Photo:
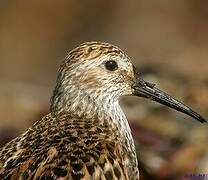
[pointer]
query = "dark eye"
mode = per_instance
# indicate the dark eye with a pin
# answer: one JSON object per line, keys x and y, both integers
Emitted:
{"x": 111, "y": 65}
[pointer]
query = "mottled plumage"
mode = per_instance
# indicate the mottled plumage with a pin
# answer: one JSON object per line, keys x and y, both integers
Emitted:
{"x": 63, "y": 146}
{"x": 86, "y": 134}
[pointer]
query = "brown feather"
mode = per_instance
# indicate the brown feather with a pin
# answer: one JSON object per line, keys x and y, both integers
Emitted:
{"x": 68, "y": 148}
{"x": 86, "y": 134}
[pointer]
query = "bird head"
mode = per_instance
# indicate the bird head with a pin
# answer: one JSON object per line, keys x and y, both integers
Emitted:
{"x": 100, "y": 70}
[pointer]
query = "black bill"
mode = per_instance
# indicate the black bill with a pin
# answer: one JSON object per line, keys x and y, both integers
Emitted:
{"x": 148, "y": 90}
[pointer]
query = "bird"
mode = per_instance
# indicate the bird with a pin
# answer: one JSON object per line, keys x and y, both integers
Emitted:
{"x": 86, "y": 134}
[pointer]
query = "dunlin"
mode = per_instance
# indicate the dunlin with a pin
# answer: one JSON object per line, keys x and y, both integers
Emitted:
{"x": 86, "y": 134}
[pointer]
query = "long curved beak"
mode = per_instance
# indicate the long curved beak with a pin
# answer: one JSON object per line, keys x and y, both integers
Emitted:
{"x": 148, "y": 90}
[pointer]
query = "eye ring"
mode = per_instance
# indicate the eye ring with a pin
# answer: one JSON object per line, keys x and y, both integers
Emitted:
{"x": 111, "y": 65}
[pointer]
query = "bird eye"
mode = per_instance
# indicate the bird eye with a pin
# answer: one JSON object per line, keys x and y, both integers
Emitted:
{"x": 111, "y": 65}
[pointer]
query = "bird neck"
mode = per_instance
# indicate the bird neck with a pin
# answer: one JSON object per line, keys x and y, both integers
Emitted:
{"x": 91, "y": 105}
{"x": 87, "y": 104}
{"x": 95, "y": 106}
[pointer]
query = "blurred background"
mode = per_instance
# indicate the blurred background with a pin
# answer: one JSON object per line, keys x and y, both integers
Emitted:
{"x": 166, "y": 40}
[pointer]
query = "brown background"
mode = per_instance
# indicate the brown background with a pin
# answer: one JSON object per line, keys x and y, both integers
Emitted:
{"x": 167, "y": 41}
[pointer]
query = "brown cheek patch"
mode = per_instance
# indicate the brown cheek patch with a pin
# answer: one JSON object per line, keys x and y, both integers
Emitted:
{"x": 91, "y": 80}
